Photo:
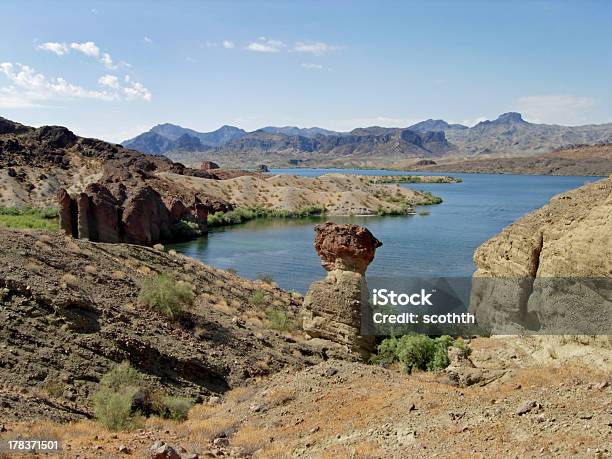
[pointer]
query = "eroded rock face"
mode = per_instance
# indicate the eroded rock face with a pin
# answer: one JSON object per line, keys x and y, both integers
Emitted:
{"x": 333, "y": 307}
{"x": 345, "y": 247}
{"x": 532, "y": 261}
{"x": 136, "y": 215}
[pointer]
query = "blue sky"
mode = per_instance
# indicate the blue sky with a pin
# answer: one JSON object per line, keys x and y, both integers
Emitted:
{"x": 112, "y": 69}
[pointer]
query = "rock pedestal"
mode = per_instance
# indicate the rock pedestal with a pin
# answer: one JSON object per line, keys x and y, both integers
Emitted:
{"x": 333, "y": 306}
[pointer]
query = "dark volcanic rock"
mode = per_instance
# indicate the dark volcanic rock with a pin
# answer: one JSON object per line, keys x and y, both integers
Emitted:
{"x": 208, "y": 165}
{"x": 56, "y": 136}
{"x": 145, "y": 217}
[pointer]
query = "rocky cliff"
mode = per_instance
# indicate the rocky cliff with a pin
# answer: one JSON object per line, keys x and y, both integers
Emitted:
{"x": 551, "y": 266}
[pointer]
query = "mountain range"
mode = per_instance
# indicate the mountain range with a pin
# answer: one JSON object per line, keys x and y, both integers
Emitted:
{"x": 508, "y": 135}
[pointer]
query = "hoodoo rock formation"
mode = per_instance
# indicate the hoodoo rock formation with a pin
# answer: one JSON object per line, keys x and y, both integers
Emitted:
{"x": 333, "y": 306}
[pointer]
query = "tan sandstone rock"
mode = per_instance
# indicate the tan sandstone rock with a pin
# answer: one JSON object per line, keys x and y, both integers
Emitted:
{"x": 333, "y": 307}
{"x": 551, "y": 262}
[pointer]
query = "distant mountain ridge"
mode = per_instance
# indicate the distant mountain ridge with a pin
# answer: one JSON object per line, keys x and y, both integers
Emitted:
{"x": 508, "y": 135}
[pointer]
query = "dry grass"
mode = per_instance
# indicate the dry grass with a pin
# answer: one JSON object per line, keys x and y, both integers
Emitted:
{"x": 240, "y": 394}
{"x": 250, "y": 439}
{"x": 159, "y": 247}
{"x": 90, "y": 269}
{"x": 222, "y": 306}
{"x": 281, "y": 395}
{"x": 144, "y": 270}
{"x": 210, "y": 428}
{"x": 70, "y": 280}
{"x": 118, "y": 275}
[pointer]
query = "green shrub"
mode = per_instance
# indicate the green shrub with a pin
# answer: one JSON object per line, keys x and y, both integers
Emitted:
{"x": 175, "y": 408}
{"x": 29, "y": 218}
{"x": 120, "y": 377}
{"x": 115, "y": 396}
{"x": 415, "y": 352}
{"x": 114, "y": 409}
{"x": 257, "y": 298}
{"x": 279, "y": 320}
{"x": 164, "y": 294}
{"x": 244, "y": 214}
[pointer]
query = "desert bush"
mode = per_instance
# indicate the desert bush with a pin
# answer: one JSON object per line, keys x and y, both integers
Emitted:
{"x": 164, "y": 294}
{"x": 416, "y": 351}
{"x": 114, "y": 399}
{"x": 114, "y": 410}
{"x": 279, "y": 320}
{"x": 257, "y": 298}
{"x": 231, "y": 270}
{"x": 175, "y": 408}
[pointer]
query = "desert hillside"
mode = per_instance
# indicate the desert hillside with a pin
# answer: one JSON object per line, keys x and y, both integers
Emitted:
{"x": 337, "y": 194}
{"x": 580, "y": 160}
{"x": 70, "y": 310}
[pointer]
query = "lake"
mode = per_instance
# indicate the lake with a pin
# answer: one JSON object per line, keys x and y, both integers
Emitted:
{"x": 440, "y": 244}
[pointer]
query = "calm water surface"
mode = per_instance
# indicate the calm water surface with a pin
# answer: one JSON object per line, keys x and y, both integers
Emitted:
{"x": 439, "y": 244}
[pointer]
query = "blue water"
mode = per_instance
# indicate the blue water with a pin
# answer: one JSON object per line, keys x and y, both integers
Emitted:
{"x": 439, "y": 244}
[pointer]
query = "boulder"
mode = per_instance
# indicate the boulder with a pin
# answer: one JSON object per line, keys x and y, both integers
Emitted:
{"x": 333, "y": 307}
{"x": 345, "y": 247}
{"x": 208, "y": 165}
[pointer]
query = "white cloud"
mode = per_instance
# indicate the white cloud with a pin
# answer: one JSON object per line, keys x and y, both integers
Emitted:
{"x": 57, "y": 48}
{"x": 261, "y": 48}
{"x": 135, "y": 90}
{"x": 107, "y": 61}
{"x": 312, "y": 66}
{"x": 263, "y": 45}
{"x": 29, "y": 88}
{"x": 317, "y": 48}
{"x": 109, "y": 80}
{"x": 147, "y": 40}
{"x": 227, "y": 44}
{"x": 88, "y": 48}
{"x": 555, "y": 108}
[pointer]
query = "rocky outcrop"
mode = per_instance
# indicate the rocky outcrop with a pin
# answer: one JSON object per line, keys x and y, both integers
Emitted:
{"x": 333, "y": 307}
{"x": 136, "y": 216}
{"x": 551, "y": 270}
{"x": 208, "y": 165}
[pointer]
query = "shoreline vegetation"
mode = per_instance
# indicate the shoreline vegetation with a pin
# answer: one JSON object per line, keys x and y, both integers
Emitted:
{"x": 391, "y": 202}
{"x": 383, "y": 179}
{"x": 30, "y": 218}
